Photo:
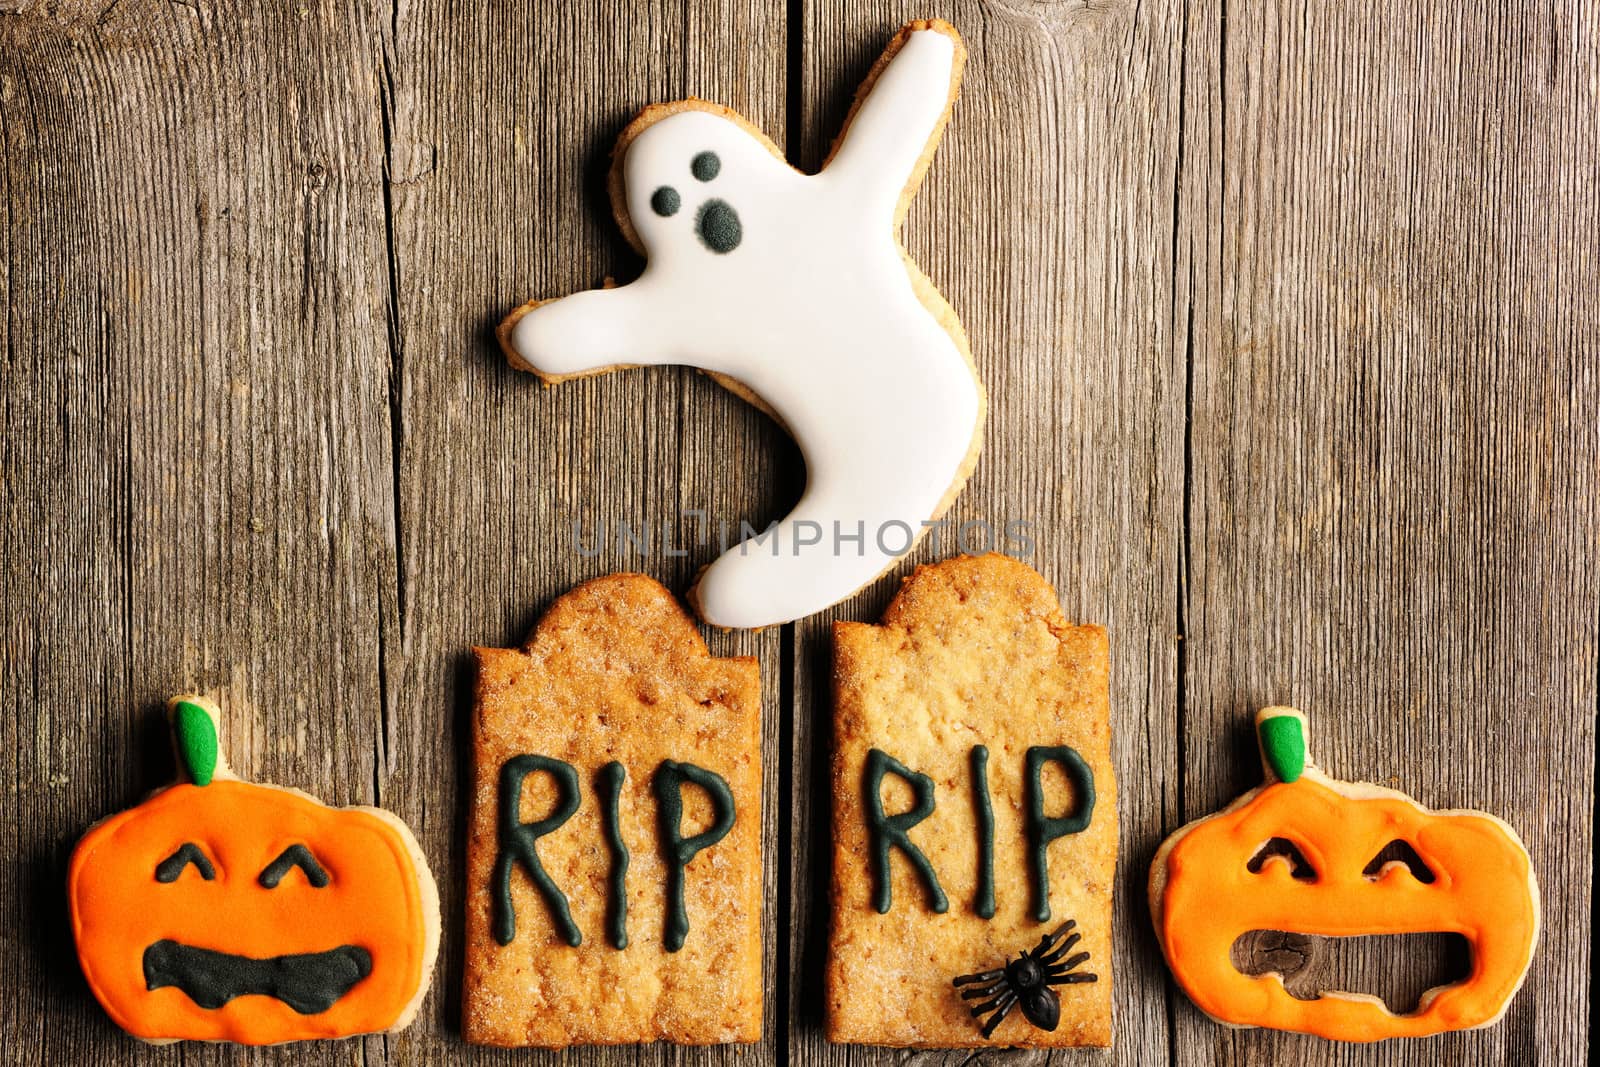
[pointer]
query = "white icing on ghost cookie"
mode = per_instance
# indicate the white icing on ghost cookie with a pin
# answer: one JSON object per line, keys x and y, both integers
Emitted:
{"x": 793, "y": 290}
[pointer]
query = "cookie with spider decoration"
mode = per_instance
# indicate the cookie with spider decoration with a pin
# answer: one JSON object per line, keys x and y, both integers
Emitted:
{"x": 974, "y": 815}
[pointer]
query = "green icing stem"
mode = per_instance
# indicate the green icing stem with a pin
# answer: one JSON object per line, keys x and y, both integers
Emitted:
{"x": 195, "y": 735}
{"x": 1283, "y": 746}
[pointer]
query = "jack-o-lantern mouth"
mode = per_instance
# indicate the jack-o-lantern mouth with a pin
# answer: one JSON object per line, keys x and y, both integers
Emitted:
{"x": 309, "y": 982}
{"x": 1313, "y": 966}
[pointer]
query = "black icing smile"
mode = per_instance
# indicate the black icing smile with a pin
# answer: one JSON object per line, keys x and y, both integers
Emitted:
{"x": 308, "y": 983}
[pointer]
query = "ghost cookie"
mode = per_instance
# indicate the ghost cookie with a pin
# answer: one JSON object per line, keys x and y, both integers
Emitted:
{"x": 974, "y": 818}
{"x": 614, "y": 852}
{"x": 221, "y": 910}
{"x": 1313, "y": 857}
{"x": 793, "y": 291}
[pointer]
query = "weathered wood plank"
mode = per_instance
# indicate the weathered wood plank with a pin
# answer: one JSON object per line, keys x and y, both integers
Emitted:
{"x": 1389, "y": 227}
{"x": 196, "y": 465}
{"x": 1046, "y": 221}
{"x": 1289, "y": 324}
{"x": 501, "y": 132}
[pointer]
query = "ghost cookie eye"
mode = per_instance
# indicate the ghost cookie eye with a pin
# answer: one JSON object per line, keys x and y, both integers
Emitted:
{"x": 705, "y": 166}
{"x": 665, "y": 201}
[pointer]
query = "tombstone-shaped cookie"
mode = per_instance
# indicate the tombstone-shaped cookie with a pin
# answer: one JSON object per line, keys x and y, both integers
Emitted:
{"x": 226, "y": 910}
{"x": 614, "y": 857}
{"x": 793, "y": 291}
{"x": 974, "y": 818}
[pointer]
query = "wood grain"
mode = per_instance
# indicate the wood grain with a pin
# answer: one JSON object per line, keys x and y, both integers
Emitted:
{"x": 1046, "y": 221}
{"x": 1290, "y": 318}
{"x": 499, "y": 145}
{"x": 197, "y": 458}
{"x": 1390, "y": 252}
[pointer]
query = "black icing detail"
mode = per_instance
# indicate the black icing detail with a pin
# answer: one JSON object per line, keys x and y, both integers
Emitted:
{"x": 892, "y": 831}
{"x": 718, "y": 226}
{"x": 517, "y": 844}
{"x": 608, "y": 783}
{"x": 983, "y": 808}
{"x": 679, "y": 850}
{"x": 292, "y": 857}
{"x": 308, "y": 983}
{"x": 705, "y": 166}
{"x": 665, "y": 201}
{"x": 1025, "y": 982}
{"x": 1042, "y": 828}
{"x": 170, "y": 868}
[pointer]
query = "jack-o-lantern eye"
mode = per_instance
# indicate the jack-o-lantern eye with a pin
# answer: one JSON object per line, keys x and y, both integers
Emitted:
{"x": 1299, "y": 867}
{"x": 1401, "y": 852}
{"x": 187, "y": 855}
{"x": 291, "y": 857}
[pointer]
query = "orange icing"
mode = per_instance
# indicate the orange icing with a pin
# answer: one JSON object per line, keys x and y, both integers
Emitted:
{"x": 1482, "y": 891}
{"x": 373, "y": 901}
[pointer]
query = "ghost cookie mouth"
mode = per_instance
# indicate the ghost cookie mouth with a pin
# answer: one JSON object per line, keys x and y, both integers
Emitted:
{"x": 308, "y": 982}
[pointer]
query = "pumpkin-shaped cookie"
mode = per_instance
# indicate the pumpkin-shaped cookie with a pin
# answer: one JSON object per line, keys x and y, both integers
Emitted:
{"x": 1309, "y": 854}
{"x": 222, "y": 910}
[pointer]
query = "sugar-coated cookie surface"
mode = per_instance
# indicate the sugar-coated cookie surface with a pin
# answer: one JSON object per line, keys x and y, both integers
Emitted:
{"x": 973, "y": 654}
{"x": 222, "y": 910}
{"x": 793, "y": 291}
{"x": 1310, "y": 854}
{"x": 614, "y": 857}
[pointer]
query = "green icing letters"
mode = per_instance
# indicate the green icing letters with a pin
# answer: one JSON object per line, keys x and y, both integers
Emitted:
{"x": 195, "y": 735}
{"x": 1043, "y": 829}
{"x": 888, "y": 831}
{"x": 609, "y": 784}
{"x": 677, "y": 849}
{"x": 983, "y": 896}
{"x": 517, "y": 843}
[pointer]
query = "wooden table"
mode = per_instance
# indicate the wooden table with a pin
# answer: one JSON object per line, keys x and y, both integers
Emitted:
{"x": 1288, "y": 315}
